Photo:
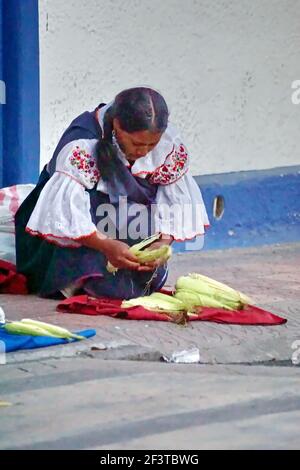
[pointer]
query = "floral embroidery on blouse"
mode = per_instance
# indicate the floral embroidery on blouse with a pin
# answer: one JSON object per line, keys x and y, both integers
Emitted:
{"x": 86, "y": 164}
{"x": 173, "y": 168}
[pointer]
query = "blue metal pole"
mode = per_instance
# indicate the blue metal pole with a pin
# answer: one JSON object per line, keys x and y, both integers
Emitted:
{"x": 2, "y": 97}
{"x": 21, "y": 134}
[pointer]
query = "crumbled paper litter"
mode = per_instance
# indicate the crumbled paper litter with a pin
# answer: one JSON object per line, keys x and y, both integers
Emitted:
{"x": 190, "y": 356}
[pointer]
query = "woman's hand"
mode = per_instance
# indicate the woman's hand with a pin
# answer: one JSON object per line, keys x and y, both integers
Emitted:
{"x": 119, "y": 255}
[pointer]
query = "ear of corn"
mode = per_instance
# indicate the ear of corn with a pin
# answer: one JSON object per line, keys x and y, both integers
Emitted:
{"x": 209, "y": 298}
{"x": 54, "y": 329}
{"x": 19, "y": 328}
{"x": 209, "y": 293}
{"x": 193, "y": 299}
{"x": 145, "y": 256}
{"x": 35, "y": 328}
{"x": 221, "y": 287}
{"x": 189, "y": 298}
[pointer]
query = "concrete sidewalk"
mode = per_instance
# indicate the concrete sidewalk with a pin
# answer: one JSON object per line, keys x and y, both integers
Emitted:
{"x": 270, "y": 275}
{"x": 84, "y": 403}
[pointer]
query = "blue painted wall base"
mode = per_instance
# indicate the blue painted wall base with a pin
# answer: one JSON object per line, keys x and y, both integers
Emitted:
{"x": 20, "y": 114}
{"x": 261, "y": 208}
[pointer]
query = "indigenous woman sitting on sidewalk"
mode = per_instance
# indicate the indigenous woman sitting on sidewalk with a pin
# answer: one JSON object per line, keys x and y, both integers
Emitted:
{"x": 110, "y": 162}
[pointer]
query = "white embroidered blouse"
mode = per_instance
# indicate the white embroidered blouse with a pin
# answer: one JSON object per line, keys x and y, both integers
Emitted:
{"x": 62, "y": 213}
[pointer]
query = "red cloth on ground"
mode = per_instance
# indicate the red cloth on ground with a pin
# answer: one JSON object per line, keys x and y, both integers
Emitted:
{"x": 11, "y": 282}
{"x": 85, "y": 305}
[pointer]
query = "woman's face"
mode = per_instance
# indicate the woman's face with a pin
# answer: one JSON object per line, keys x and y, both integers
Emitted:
{"x": 135, "y": 144}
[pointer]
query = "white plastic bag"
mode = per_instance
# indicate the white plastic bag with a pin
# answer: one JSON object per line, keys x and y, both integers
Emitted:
{"x": 10, "y": 200}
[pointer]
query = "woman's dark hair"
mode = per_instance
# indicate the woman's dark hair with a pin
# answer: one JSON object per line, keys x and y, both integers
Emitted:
{"x": 137, "y": 109}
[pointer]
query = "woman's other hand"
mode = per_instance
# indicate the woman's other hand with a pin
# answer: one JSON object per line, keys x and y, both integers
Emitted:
{"x": 116, "y": 252}
{"x": 120, "y": 256}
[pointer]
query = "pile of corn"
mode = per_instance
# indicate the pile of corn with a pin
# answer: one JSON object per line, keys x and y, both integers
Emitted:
{"x": 191, "y": 293}
{"x": 139, "y": 250}
{"x": 38, "y": 328}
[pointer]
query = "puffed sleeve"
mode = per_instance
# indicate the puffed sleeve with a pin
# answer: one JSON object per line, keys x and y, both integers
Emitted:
{"x": 180, "y": 210}
{"x": 62, "y": 213}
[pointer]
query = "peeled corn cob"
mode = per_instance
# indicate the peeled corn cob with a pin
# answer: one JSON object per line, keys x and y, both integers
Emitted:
{"x": 34, "y": 328}
{"x": 144, "y": 255}
{"x": 54, "y": 329}
{"x": 19, "y": 328}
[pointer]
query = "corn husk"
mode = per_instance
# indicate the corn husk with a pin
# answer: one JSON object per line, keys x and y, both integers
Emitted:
{"x": 157, "y": 302}
{"x": 161, "y": 303}
{"x": 144, "y": 243}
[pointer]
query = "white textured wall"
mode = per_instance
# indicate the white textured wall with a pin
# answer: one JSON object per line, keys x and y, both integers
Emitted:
{"x": 225, "y": 68}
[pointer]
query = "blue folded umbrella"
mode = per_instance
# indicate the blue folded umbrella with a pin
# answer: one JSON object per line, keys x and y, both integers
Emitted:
{"x": 16, "y": 342}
